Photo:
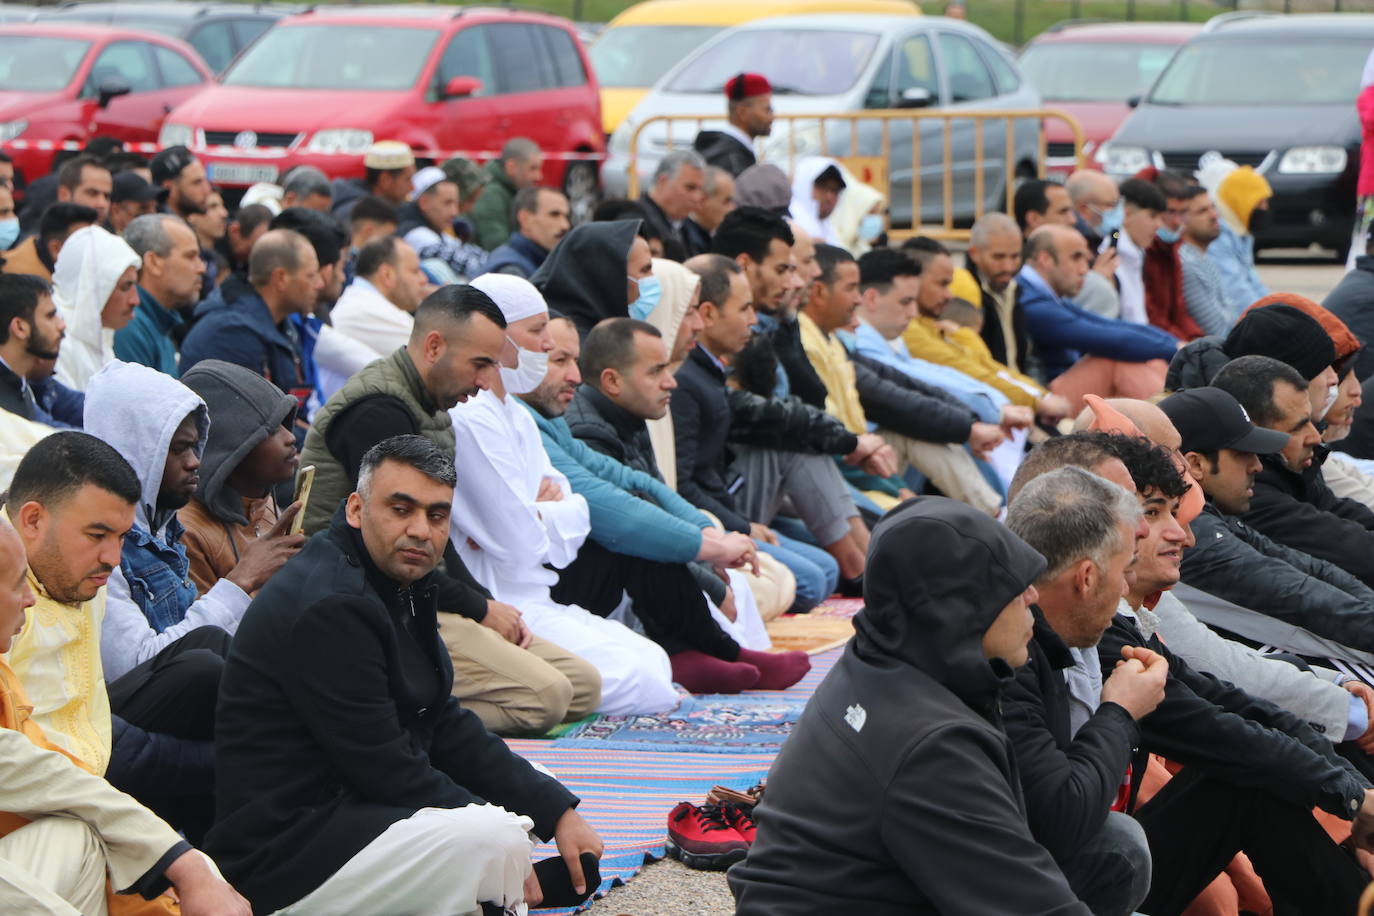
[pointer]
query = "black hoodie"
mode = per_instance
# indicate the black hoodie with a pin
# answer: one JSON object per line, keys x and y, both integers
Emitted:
{"x": 586, "y": 275}
{"x": 897, "y": 792}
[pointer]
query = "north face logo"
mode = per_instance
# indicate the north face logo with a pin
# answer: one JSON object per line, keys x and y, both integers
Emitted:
{"x": 856, "y": 716}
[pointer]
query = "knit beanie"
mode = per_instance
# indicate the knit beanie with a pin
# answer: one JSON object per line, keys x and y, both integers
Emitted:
{"x": 1242, "y": 190}
{"x": 1284, "y": 333}
{"x": 1346, "y": 343}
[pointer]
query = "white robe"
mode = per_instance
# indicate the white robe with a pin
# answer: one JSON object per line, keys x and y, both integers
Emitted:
{"x": 370, "y": 318}
{"x": 501, "y": 462}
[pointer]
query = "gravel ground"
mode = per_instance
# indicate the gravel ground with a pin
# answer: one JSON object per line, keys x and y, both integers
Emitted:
{"x": 669, "y": 888}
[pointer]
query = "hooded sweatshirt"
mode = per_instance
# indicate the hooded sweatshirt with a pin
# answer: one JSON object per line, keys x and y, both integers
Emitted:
{"x": 897, "y": 792}
{"x": 151, "y": 600}
{"x": 805, "y": 209}
{"x": 679, "y": 288}
{"x": 88, "y": 269}
{"x": 586, "y": 275}
{"x": 220, "y": 521}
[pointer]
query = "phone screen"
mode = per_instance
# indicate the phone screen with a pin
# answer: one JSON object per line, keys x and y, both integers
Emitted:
{"x": 304, "y": 478}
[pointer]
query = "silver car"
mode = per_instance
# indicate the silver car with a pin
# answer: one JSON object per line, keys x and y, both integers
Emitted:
{"x": 842, "y": 63}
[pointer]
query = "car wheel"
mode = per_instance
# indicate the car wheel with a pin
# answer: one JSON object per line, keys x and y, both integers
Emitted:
{"x": 583, "y": 190}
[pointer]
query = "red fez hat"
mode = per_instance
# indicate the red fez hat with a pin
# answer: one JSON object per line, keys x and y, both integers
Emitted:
{"x": 746, "y": 85}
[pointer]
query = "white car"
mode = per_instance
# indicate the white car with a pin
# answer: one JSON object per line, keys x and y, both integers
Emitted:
{"x": 824, "y": 63}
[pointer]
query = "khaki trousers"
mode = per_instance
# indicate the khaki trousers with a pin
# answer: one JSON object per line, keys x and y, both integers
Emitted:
{"x": 517, "y": 691}
{"x": 1109, "y": 378}
{"x": 53, "y": 865}
{"x": 950, "y": 467}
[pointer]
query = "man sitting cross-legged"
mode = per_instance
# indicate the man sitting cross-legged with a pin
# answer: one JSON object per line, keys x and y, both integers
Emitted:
{"x": 350, "y": 779}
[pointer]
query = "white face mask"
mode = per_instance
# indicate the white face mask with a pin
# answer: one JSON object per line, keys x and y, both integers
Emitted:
{"x": 1332, "y": 392}
{"x": 528, "y": 373}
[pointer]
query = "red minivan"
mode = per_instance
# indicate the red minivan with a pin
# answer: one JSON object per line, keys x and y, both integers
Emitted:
{"x": 62, "y": 84}
{"x": 319, "y": 87}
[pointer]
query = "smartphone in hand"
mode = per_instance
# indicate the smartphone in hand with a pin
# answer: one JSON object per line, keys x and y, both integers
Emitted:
{"x": 304, "y": 478}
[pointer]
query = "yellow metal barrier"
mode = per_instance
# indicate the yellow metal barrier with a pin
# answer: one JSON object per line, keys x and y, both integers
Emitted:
{"x": 875, "y": 166}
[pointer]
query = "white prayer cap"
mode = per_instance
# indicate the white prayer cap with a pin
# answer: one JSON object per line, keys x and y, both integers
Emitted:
{"x": 265, "y": 193}
{"x": 515, "y": 296}
{"x": 425, "y": 179}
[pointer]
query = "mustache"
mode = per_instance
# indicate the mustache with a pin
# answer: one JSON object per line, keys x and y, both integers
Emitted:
{"x": 407, "y": 543}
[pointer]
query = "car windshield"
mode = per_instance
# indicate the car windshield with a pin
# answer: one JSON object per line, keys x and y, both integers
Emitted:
{"x": 356, "y": 58}
{"x": 796, "y": 61}
{"x": 1288, "y": 71}
{"x": 1082, "y": 71}
{"x": 36, "y": 63}
{"x": 637, "y": 55}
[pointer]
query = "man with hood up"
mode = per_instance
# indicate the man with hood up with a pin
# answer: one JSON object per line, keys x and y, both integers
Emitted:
{"x": 95, "y": 289}
{"x": 251, "y": 450}
{"x": 897, "y": 792}
{"x": 586, "y": 277}
{"x": 816, "y": 188}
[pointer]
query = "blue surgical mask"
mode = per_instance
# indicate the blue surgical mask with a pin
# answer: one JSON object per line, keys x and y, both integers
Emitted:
{"x": 9, "y": 232}
{"x": 650, "y": 292}
{"x": 1111, "y": 219}
{"x": 870, "y": 227}
{"x": 528, "y": 373}
{"x": 1168, "y": 236}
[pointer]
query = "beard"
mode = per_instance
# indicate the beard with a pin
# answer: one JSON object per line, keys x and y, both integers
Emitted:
{"x": 43, "y": 348}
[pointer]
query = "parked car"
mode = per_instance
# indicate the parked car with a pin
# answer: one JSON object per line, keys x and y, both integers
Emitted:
{"x": 67, "y": 83}
{"x": 1276, "y": 93}
{"x": 851, "y": 63}
{"x": 320, "y": 87}
{"x": 644, "y": 41}
{"x": 218, "y": 31}
{"x": 1091, "y": 70}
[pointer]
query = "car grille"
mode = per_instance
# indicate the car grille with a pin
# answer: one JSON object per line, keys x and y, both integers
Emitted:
{"x": 1188, "y": 161}
{"x": 1059, "y": 150}
{"x": 226, "y": 138}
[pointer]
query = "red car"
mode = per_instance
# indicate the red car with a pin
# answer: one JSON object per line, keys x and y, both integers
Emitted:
{"x": 65, "y": 83}
{"x": 319, "y": 87}
{"x": 1092, "y": 70}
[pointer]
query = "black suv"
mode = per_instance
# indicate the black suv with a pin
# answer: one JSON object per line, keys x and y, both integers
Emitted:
{"x": 218, "y": 31}
{"x": 1273, "y": 92}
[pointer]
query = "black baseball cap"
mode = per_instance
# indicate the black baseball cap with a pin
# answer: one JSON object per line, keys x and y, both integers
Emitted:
{"x": 130, "y": 186}
{"x": 168, "y": 164}
{"x": 1209, "y": 419}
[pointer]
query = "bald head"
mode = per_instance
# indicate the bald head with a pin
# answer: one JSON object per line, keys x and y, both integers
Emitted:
{"x": 993, "y": 225}
{"x": 1092, "y": 193}
{"x": 1152, "y": 422}
{"x": 1060, "y": 255}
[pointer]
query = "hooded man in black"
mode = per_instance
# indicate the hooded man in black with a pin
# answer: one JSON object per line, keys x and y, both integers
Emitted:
{"x": 586, "y": 277}
{"x": 897, "y": 792}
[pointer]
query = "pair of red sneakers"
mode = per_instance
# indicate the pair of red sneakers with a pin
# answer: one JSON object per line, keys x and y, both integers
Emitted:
{"x": 710, "y": 836}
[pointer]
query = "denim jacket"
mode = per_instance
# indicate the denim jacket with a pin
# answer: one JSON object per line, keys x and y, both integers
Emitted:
{"x": 159, "y": 575}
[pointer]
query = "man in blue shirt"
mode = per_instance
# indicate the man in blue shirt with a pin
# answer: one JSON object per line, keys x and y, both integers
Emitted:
{"x": 168, "y": 286}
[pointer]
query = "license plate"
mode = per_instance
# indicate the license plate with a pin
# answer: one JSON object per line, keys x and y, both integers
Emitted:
{"x": 239, "y": 173}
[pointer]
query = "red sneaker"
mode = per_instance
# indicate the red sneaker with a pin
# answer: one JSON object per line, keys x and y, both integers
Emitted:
{"x": 742, "y": 819}
{"x": 701, "y": 837}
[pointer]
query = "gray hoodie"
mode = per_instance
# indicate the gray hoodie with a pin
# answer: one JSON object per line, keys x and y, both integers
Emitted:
{"x": 137, "y": 410}
{"x": 247, "y": 409}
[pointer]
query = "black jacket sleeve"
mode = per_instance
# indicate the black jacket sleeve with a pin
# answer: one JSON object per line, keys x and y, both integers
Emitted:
{"x": 686, "y": 433}
{"x": 1289, "y": 585}
{"x": 1244, "y": 740}
{"x": 899, "y": 403}
{"x": 801, "y": 375}
{"x": 786, "y": 424}
{"x": 340, "y": 689}
{"x": 1068, "y": 790}
{"x": 1340, "y": 531}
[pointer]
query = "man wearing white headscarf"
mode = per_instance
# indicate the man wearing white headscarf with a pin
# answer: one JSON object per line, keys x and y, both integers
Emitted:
{"x": 95, "y": 287}
{"x": 817, "y": 186}
{"x": 513, "y": 513}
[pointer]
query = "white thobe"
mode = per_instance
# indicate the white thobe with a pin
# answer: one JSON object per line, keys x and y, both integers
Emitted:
{"x": 368, "y": 317}
{"x": 501, "y": 463}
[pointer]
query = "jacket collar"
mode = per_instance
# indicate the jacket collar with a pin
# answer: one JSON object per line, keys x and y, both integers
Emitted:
{"x": 255, "y": 310}
{"x": 350, "y": 540}
{"x": 702, "y": 357}
{"x": 413, "y": 381}
{"x": 527, "y": 247}
{"x": 624, "y": 422}
{"x": 163, "y": 318}
{"x": 1055, "y": 649}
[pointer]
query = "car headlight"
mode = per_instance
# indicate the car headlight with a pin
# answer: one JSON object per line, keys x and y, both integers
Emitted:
{"x": 175, "y": 135}
{"x": 1120, "y": 159}
{"x": 11, "y": 129}
{"x": 340, "y": 140}
{"x": 1313, "y": 160}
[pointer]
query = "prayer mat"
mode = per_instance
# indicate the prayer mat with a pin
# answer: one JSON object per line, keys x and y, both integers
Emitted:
{"x": 835, "y": 606}
{"x": 810, "y": 633}
{"x": 715, "y": 723}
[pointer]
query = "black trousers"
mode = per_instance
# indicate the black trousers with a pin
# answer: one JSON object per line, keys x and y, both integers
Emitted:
{"x": 666, "y": 598}
{"x": 1196, "y": 825}
{"x": 172, "y": 694}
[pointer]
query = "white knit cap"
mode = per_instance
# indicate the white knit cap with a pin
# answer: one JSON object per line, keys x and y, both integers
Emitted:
{"x": 515, "y": 296}
{"x": 425, "y": 179}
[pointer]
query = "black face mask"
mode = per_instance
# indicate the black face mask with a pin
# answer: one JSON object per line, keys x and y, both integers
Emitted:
{"x": 1261, "y": 219}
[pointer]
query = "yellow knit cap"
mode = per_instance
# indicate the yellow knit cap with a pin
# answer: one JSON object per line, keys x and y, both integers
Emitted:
{"x": 1242, "y": 191}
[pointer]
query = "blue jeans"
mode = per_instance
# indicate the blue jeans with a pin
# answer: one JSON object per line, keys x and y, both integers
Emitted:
{"x": 816, "y": 571}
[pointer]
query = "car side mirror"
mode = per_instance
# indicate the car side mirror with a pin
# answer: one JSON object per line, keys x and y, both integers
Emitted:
{"x": 916, "y": 97}
{"x": 461, "y": 87}
{"x": 1133, "y": 101}
{"x": 112, "y": 87}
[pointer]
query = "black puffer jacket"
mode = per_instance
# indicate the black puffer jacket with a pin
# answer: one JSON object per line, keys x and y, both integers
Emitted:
{"x": 585, "y": 277}
{"x": 897, "y": 793}
{"x": 904, "y": 405}
{"x": 787, "y": 424}
{"x": 1196, "y": 364}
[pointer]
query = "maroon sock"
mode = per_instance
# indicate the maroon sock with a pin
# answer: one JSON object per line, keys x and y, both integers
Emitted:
{"x": 777, "y": 670}
{"x": 702, "y": 673}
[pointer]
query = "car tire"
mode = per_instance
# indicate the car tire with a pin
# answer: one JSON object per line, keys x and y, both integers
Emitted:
{"x": 582, "y": 187}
